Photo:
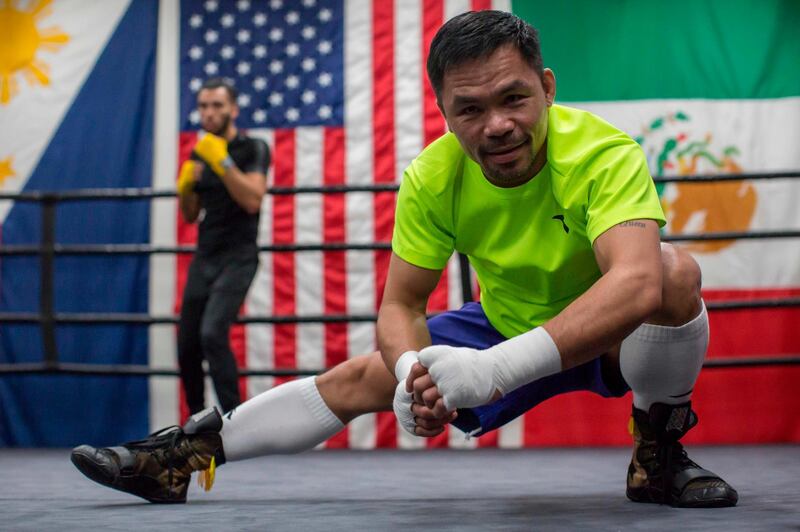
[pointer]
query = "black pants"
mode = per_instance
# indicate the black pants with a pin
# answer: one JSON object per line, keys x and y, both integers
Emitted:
{"x": 215, "y": 289}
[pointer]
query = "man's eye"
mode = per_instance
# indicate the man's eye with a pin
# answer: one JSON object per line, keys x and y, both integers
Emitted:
{"x": 469, "y": 110}
{"x": 514, "y": 98}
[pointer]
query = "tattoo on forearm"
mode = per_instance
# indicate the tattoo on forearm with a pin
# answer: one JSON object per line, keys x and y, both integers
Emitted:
{"x": 633, "y": 224}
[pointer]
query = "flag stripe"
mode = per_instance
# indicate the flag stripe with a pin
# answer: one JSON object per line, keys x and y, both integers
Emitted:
{"x": 260, "y": 337}
{"x": 384, "y": 166}
{"x": 335, "y": 287}
{"x": 359, "y": 206}
{"x": 283, "y": 264}
{"x": 308, "y": 273}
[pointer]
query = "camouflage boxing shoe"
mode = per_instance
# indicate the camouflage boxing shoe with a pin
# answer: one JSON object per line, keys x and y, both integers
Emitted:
{"x": 160, "y": 467}
{"x": 661, "y": 472}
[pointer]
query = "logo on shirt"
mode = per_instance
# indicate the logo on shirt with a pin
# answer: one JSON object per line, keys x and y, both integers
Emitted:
{"x": 560, "y": 218}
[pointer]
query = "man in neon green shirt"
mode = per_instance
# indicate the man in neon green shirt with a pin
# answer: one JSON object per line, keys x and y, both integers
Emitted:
{"x": 558, "y": 215}
{"x": 531, "y": 244}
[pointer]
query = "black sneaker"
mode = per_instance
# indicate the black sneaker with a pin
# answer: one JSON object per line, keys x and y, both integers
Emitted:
{"x": 160, "y": 467}
{"x": 661, "y": 471}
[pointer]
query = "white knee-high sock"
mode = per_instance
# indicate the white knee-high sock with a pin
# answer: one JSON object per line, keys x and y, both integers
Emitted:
{"x": 661, "y": 364}
{"x": 289, "y": 418}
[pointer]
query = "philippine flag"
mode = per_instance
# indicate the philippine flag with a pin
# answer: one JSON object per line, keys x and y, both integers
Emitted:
{"x": 76, "y": 111}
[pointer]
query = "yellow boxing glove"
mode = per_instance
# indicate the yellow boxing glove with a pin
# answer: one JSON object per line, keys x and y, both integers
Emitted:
{"x": 213, "y": 150}
{"x": 186, "y": 177}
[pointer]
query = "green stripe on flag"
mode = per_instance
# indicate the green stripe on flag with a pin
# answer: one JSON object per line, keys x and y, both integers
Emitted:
{"x": 626, "y": 50}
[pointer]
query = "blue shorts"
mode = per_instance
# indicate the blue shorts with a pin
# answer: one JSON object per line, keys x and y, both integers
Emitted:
{"x": 469, "y": 327}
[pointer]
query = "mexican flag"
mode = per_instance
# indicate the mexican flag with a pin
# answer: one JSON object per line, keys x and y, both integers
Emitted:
{"x": 705, "y": 88}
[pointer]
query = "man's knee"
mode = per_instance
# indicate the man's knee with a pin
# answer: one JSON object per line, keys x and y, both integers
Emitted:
{"x": 361, "y": 384}
{"x": 680, "y": 300}
{"x": 213, "y": 336}
{"x": 350, "y": 373}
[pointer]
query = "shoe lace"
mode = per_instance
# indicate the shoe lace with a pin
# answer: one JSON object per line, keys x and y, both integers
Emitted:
{"x": 162, "y": 445}
{"x": 673, "y": 458}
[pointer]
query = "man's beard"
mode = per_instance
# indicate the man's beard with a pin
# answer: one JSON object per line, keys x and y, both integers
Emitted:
{"x": 510, "y": 178}
{"x": 220, "y": 132}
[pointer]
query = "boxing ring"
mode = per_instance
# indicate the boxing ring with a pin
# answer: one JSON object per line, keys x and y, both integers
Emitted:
{"x": 340, "y": 490}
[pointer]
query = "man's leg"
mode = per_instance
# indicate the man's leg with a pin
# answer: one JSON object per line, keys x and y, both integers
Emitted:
{"x": 229, "y": 288}
{"x": 308, "y": 411}
{"x": 190, "y": 351}
{"x": 661, "y": 361}
{"x": 289, "y": 418}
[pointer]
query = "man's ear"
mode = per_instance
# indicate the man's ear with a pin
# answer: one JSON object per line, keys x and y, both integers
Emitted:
{"x": 549, "y": 86}
{"x": 441, "y": 110}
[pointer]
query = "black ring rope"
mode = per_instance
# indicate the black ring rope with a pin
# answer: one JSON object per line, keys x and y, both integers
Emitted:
{"x": 120, "y": 318}
{"x": 148, "y": 193}
{"x": 48, "y": 250}
{"x": 127, "y": 370}
{"x": 148, "y": 249}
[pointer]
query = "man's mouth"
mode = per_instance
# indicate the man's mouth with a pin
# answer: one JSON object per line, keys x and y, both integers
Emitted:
{"x": 505, "y": 154}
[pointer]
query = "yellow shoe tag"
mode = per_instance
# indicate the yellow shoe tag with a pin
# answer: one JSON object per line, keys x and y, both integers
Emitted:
{"x": 206, "y": 478}
{"x": 630, "y": 426}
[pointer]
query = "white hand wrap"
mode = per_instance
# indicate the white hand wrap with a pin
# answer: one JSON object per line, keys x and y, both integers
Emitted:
{"x": 403, "y": 365}
{"x": 468, "y": 377}
{"x": 462, "y": 375}
{"x": 524, "y": 358}
{"x": 402, "y": 407}
{"x": 403, "y": 399}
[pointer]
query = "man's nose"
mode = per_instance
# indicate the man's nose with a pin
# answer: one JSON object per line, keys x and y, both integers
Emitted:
{"x": 497, "y": 124}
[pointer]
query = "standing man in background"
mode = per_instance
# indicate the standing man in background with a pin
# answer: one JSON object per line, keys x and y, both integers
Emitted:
{"x": 222, "y": 185}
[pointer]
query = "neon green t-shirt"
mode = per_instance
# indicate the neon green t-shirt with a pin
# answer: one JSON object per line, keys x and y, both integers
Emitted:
{"x": 531, "y": 245}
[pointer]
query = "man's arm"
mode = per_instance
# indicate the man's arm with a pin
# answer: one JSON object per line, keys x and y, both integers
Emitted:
{"x": 629, "y": 291}
{"x": 246, "y": 188}
{"x": 188, "y": 199}
{"x": 190, "y": 206}
{"x": 629, "y": 257}
{"x": 402, "y": 318}
{"x": 402, "y": 331}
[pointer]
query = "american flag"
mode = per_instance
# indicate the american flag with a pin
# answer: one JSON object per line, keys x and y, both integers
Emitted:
{"x": 338, "y": 90}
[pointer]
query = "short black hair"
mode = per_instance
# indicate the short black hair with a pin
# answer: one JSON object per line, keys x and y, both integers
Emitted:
{"x": 215, "y": 83}
{"x": 478, "y": 34}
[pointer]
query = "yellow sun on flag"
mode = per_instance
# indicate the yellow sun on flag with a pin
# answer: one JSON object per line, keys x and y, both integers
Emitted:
{"x": 6, "y": 170}
{"x": 21, "y": 40}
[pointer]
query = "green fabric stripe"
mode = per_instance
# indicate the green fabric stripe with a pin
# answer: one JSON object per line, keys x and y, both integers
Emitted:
{"x": 625, "y": 50}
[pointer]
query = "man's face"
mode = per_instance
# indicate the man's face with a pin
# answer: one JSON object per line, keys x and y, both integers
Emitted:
{"x": 217, "y": 110}
{"x": 497, "y": 107}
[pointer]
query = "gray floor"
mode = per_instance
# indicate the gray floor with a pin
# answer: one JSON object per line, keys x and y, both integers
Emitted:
{"x": 566, "y": 489}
